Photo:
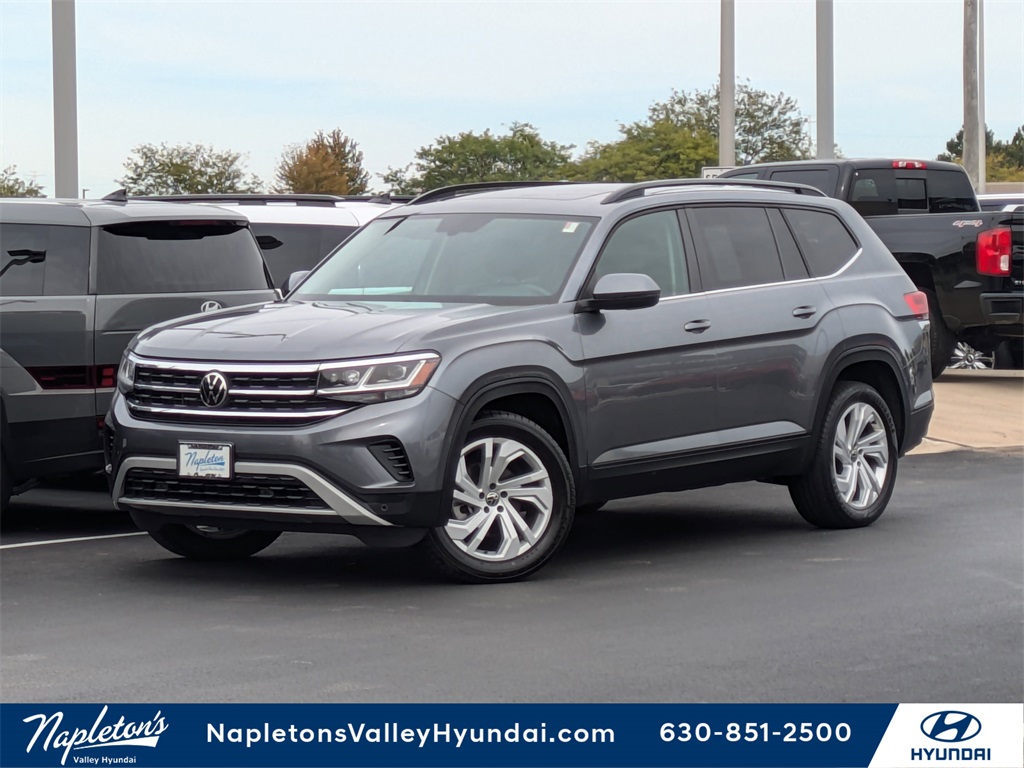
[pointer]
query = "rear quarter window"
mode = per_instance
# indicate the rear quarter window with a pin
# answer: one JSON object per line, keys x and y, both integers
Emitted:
{"x": 43, "y": 260}
{"x": 178, "y": 257}
{"x": 825, "y": 242}
{"x": 950, "y": 192}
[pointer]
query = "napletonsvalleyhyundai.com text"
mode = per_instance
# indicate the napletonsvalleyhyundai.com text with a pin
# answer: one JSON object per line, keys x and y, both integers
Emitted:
{"x": 393, "y": 733}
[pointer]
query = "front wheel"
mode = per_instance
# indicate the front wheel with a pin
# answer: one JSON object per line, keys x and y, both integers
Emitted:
{"x": 201, "y": 542}
{"x": 853, "y": 471}
{"x": 511, "y": 503}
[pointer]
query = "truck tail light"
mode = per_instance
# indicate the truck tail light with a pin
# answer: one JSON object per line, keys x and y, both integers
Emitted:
{"x": 914, "y": 165}
{"x": 993, "y": 252}
{"x": 918, "y": 304}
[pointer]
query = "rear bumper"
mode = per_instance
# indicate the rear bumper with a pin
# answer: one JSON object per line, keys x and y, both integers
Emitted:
{"x": 1004, "y": 313}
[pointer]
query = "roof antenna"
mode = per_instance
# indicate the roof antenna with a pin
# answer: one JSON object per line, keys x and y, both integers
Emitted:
{"x": 119, "y": 196}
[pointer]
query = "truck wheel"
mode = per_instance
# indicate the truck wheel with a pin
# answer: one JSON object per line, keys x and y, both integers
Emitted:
{"x": 200, "y": 542}
{"x": 511, "y": 506}
{"x": 853, "y": 471}
{"x": 942, "y": 339}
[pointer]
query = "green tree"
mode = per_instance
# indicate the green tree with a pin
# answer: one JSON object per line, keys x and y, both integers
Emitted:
{"x": 11, "y": 185}
{"x": 185, "y": 169}
{"x": 329, "y": 164}
{"x": 521, "y": 154}
{"x": 1004, "y": 160}
{"x": 680, "y": 135}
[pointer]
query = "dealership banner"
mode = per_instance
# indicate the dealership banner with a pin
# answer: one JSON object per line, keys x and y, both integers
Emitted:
{"x": 529, "y": 735}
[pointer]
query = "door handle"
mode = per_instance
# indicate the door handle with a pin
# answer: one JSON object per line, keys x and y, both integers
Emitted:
{"x": 805, "y": 311}
{"x": 697, "y": 326}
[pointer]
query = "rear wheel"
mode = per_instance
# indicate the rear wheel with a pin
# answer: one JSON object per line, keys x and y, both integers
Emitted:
{"x": 201, "y": 542}
{"x": 511, "y": 506}
{"x": 942, "y": 339}
{"x": 853, "y": 471}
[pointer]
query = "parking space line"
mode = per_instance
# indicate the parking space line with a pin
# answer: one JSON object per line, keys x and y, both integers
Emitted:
{"x": 69, "y": 541}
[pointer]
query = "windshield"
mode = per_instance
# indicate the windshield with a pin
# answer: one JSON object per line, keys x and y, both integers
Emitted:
{"x": 465, "y": 257}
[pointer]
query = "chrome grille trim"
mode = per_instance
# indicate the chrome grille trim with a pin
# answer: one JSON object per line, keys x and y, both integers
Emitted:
{"x": 220, "y": 413}
{"x": 341, "y": 505}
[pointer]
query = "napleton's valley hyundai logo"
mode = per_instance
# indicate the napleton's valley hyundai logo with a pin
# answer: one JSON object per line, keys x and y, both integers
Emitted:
{"x": 951, "y": 726}
{"x": 52, "y": 734}
{"x": 213, "y": 390}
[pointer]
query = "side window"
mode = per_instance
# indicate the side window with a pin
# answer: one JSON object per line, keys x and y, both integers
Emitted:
{"x": 651, "y": 245}
{"x": 735, "y": 247}
{"x": 910, "y": 196}
{"x": 950, "y": 192}
{"x": 824, "y": 179}
{"x": 826, "y": 243}
{"x": 792, "y": 263}
{"x": 290, "y": 248}
{"x": 873, "y": 192}
{"x": 750, "y": 175}
{"x": 38, "y": 259}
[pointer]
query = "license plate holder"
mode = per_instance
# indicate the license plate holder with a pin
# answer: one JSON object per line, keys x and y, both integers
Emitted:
{"x": 208, "y": 460}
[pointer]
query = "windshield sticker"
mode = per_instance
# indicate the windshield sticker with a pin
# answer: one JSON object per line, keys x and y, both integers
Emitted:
{"x": 570, "y": 226}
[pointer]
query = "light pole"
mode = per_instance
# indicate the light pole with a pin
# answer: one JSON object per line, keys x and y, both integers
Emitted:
{"x": 825, "y": 106}
{"x": 971, "y": 137}
{"x": 727, "y": 86}
{"x": 65, "y": 99}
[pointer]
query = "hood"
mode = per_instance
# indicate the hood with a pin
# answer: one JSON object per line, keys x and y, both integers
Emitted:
{"x": 295, "y": 331}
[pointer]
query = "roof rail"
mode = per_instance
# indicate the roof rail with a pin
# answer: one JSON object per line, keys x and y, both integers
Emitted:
{"x": 638, "y": 190}
{"x": 456, "y": 190}
{"x": 242, "y": 198}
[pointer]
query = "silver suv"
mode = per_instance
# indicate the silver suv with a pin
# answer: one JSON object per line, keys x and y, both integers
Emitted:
{"x": 468, "y": 370}
{"x": 78, "y": 279}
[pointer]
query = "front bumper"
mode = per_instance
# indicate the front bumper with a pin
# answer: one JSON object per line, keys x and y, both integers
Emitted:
{"x": 328, "y": 476}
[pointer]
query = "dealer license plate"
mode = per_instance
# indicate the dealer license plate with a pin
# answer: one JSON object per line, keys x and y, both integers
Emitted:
{"x": 205, "y": 460}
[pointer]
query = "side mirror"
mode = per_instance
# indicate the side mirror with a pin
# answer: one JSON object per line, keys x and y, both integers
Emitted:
{"x": 622, "y": 290}
{"x": 293, "y": 280}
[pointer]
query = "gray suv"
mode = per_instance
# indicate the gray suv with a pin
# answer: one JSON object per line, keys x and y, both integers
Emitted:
{"x": 468, "y": 371}
{"x": 78, "y": 279}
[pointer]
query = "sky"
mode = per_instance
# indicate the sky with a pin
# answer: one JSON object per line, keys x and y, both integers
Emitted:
{"x": 257, "y": 76}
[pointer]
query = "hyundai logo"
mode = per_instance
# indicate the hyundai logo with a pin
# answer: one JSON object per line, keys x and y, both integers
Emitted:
{"x": 210, "y": 306}
{"x": 213, "y": 390}
{"x": 951, "y": 726}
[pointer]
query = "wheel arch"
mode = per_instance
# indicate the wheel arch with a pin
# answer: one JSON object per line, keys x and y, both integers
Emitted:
{"x": 877, "y": 366}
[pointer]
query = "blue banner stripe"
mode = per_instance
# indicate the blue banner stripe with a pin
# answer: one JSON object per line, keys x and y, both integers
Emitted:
{"x": 386, "y": 735}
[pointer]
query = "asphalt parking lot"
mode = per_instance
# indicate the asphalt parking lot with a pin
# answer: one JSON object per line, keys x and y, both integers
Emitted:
{"x": 722, "y": 594}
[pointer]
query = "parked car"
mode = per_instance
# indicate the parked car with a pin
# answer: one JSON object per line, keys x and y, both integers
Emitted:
{"x": 969, "y": 262}
{"x": 296, "y": 231}
{"x": 467, "y": 370}
{"x": 78, "y": 280}
{"x": 1002, "y": 201}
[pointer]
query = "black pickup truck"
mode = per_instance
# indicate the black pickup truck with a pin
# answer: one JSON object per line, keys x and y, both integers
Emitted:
{"x": 969, "y": 262}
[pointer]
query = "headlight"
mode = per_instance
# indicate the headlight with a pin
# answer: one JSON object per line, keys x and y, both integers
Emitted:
{"x": 372, "y": 381}
{"x": 126, "y": 375}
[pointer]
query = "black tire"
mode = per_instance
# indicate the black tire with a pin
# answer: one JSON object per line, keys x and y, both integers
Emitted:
{"x": 942, "y": 339}
{"x": 817, "y": 494}
{"x": 482, "y": 518}
{"x": 1010, "y": 355}
{"x": 6, "y": 484}
{"x": 216, "y": 544}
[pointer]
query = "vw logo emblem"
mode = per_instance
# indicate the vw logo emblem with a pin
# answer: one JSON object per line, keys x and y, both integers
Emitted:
{"x": 213, "y": 390}
{"x": 951, "y": 726}
{"x": 210, "y": 306}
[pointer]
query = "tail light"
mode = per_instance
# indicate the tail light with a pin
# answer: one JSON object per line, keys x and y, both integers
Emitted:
{"x": 913, "y": 165}
{"x": 918, "y": 304}
{"x": 993, "y": 252}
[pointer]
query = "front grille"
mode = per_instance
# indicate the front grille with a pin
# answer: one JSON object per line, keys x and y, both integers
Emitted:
{"x": 270, "y": 491}
{"x": 275, "y": 395}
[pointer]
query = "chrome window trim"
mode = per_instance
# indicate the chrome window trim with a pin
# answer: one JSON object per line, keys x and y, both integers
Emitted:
{"x": 838, "y": 272}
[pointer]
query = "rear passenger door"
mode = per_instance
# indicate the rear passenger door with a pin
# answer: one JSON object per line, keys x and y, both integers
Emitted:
{"x": 768, "y": 321}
